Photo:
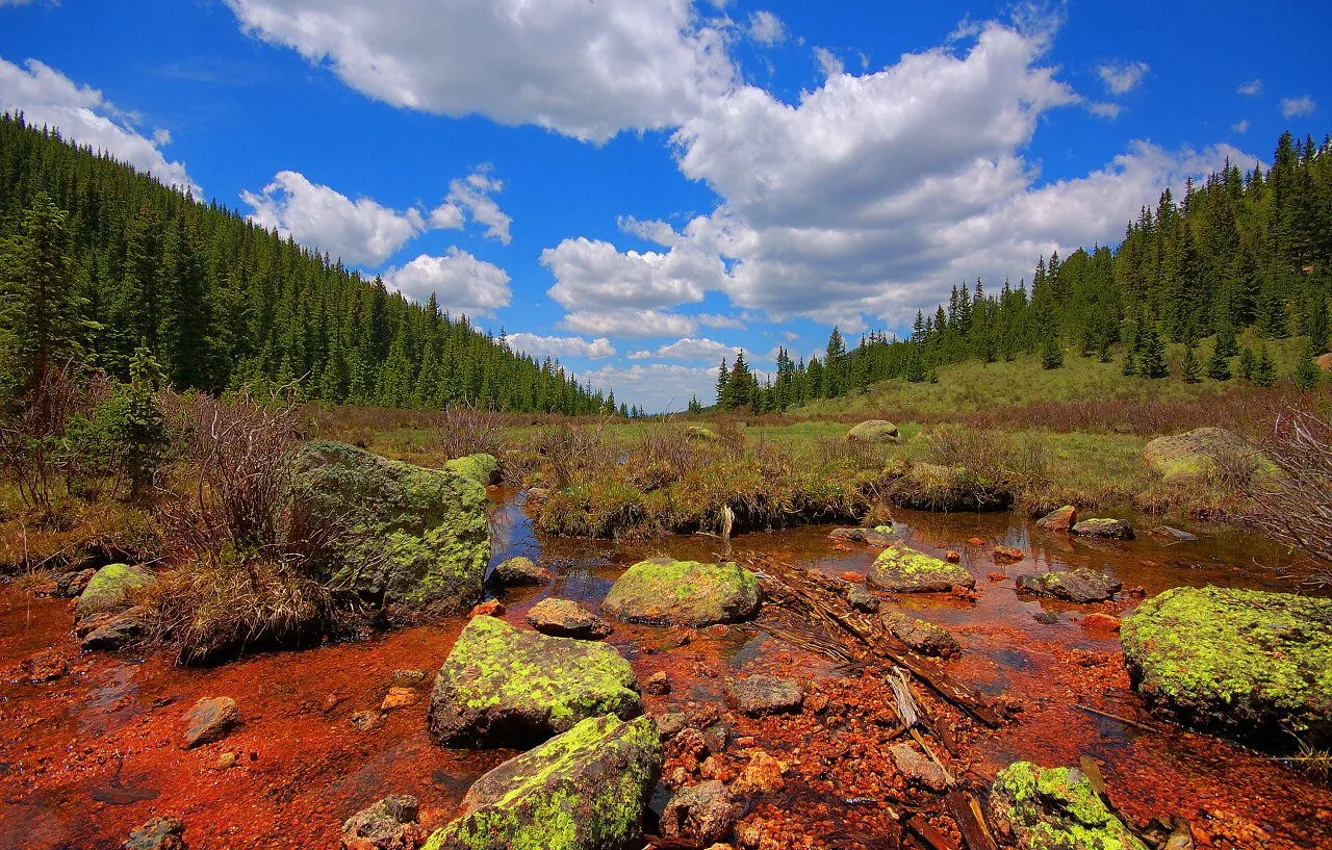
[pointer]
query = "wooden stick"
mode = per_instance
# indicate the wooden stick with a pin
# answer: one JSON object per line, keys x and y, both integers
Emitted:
{"x": 1109, "y": 716}
{"x": 932, "y": 837}
{"x": 970, "y": 821}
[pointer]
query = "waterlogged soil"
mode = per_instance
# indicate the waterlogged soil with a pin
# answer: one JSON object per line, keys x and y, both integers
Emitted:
{"x": 93, "y": 753}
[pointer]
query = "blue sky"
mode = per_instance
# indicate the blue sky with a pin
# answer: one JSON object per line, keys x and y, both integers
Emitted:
{"x": 641, "y": 187}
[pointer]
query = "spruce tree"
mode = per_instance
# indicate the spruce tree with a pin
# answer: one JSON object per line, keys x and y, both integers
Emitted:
{"x": 1151, "y": 357}
{"x": 1264, "y": 371}
{"x": 1307, "y": 373}
{"x": 1190, "y": 369}
{"x": 1052, "y": 354}
{"x": 1218, "y": 365}
{"x": 1248, "y": 362}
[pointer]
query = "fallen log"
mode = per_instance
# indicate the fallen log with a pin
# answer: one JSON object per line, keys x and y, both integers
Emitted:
{"x": 929, "y": 836}
{"x": 970, "y": 821}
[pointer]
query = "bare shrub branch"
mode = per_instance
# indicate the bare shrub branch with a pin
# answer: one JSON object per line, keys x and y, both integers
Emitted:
{"x": 1293, "y": 504}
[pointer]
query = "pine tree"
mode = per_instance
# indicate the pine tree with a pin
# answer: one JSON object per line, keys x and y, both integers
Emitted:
{"x": 1151, "y": 356}
{"x": 1307, "y": 374}
{"x": 1218, "y": 366}
{"x": 1264, "y": 371}
{"x": 1190, "y": 369}
{"x": 1052, "y": 354}
{"x": 723, "y": 387}
{"x": 1248, "y": 363}
{"x": 137, "y": 426}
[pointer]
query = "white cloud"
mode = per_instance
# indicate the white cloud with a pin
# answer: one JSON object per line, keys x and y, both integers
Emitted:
{"x": 766, "y": 28}
{"x": 651, "y": 230}
{"x": 83, "y": 114}
{"x": 657, "y": 386}
{"x": 1253, "y": 88}
{"x": 1297, "y": 107}
{"x": 828, "y": 61}
{"x": 1106, "y": 110}
{"x": 717, "y": 320}
{"x": 360, "y": 232}
{"x": 1122, "y": 77}
{"x": 473, "y": 196}
{"x": 561, "y": 346}
{"x": 635, "y": 324}
{"x": 790, "y": 336}
{"x": 1241, "y": 127}
{"x": 585, "y": 69}
{"x": 691, "y": 348}
{"x": 461, "y": 282}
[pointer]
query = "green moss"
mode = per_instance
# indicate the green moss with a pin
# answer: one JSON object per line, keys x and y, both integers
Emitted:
{"x": 484, "y": 469}
{"x": 110, "y": 587}
{"x": 580, "y": 790}
{"x": 1056, "y": 809}
{"x": 684, "y": 592}
{"x": 1235, "y": 659}
{"x": 901, "y": 568}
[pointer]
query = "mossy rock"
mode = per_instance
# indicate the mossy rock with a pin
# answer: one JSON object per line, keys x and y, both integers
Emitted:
{"x": 1055, "y": 809}
{"x": 931, "y": 487}
{"x": 484, "y": 469}
{"x": 504, "y": 687}
{"x": 684, "y": 593}
{"x": 110, "y": 589}
{"x": 1244, "y": 662}
{"x": 901, "y": 569}
{"x": 585, "y": 789}
{"x": 423, "y": 532}
{"x": 700, "y": 434}
{"x": 1199, "y": 454}
{"x": 1080, "y": 585}
{"x": 873, "y": 431}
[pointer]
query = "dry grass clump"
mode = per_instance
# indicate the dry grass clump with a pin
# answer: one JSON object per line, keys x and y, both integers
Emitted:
{"x": 1293, "y": 503}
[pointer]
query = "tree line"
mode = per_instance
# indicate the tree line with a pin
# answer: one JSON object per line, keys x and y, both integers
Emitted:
{"x": 98, "y": 260}
{"x": 1246, "y": 251}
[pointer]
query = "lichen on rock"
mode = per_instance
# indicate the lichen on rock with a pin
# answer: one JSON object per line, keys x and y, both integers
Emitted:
{"x": 1200, "y": 454}
{"x": 873, "y": 431}
{"x": 901, "y": 569}
{"x": 585, "y": 789}
{"x": 110, "y": 589}
{"x": 1055, "y": 809}
{"x": 684, "y": 593}
{"x": 1244, "y": 662}
{"x": 482, "y": 468}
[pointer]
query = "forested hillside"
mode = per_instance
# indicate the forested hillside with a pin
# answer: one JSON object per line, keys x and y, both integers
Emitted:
{"x": 1243, "y": 251}
{"x": 96, "y": 259}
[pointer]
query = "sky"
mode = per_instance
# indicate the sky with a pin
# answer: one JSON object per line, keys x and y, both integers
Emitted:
{"x": 640, "y": 188}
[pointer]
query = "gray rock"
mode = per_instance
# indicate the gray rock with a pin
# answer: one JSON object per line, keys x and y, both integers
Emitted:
{"x": 519, "y": 571}
{"x": 701, "y": 814}
{"x": 389, "y": 824}
{"x": 880, "y": 536}
{"x": 160, "y": 833}
{"x": 117, "y": 631}
{"x": 671, "y": 723}
{"x": 1166, "y": 532}
{"x": 764, "y": 694}
{"x": 873, "y": 431}
{"x": 566, "y": 618}
{"x": 921, "y": 635}
{"x": 71, "y": 584}
{"x": 917, "y": 767}
{"x": 716, "y": 738}
{"x": 1080, "y": 585}
{"x": 1111, "y": 529}
{"x": 110, "y": 589}
{"x": 1061, "y": 520}
{"x": 211, "y": 719}
{"x": 861, "y": 599}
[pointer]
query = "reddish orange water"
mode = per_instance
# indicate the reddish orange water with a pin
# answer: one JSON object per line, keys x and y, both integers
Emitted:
{"x": 86, "y": 758}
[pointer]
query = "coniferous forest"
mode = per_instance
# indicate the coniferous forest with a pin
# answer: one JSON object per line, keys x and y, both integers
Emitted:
{"x": 1246, "y": 250}
{"x": 97, "y": 259}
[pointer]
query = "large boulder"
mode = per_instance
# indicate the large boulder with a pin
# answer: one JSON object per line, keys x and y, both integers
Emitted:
{"x": 1200, "y": 453}
{"x": 683, "y": 593}
{"x": 422, "y": 532}
{"x": 873, "y": 431}
{"x": 931, "y": 487}
{"x": 1081, "y": 585}
{"x": 566, "y": 618}
{"x": 521, "y": 570}
{"x": 904, "y": 570}
{"x": 921, "y": 635}
{"x": 111, "y": 588}
{"x": 1054, "y": 809}
{"x": 585, "y": 789}
{"x": 509, "y": 688}
{"x": 1245, "y": 662}
{"x": 482, "y": 468}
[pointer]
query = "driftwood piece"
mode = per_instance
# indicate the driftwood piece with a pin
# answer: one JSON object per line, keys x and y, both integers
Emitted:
{"x": 819, "y": 597}
{"x": 970, "y": 821}
{"x": 929, "y": 836}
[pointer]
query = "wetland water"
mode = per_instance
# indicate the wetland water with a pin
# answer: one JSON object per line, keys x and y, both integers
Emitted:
{"x": 91, "y": 755}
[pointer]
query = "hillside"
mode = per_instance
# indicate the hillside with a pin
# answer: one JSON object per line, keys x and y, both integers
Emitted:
{"x": 96, "y": 258}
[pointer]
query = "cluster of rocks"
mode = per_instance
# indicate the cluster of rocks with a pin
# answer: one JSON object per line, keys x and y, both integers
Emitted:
{"x": 105, "y": 616}
{"x": 1065, "y": 520}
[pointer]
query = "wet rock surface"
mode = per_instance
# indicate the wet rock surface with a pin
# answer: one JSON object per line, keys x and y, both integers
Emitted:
{"x": 585, "y": 789}
{"x": 904, "y": 570}
{"x": 1081, "y": 585}
{"x": 1061, "y": 520}
{"x": 701, "y": 814}
{"x": 1244, "y": 662}
{"x": 160, "y": 833}
{"x": 915, "y": 766}
{"x": 566, "y": 618}
{"x": 110, "y": 589}
{"x": 861, "y": 599}
{"x": 1174, "y": 535}
{"x": 1054, "y": 809}
{"x": 114, "y": 631}
{"x": 501, "y": 686}
{"x": 388, "y": 824}
{"x": 921, "y": 635}
{"x": 1111, "y": 529}
{"x": 210, "y": 720}
{"x": 763, "y": 694}
{"x": 882, "y": 535}
{"x": 519, "y": 571}
{"x": 685, "y": 593}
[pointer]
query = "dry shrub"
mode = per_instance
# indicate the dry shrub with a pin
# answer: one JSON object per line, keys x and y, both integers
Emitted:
{"x": 1293, "y": 503}
{"x": 461, "y": 431}
{"x": 570, "y": 452}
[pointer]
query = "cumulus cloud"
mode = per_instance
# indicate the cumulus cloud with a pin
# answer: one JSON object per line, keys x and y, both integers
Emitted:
{"x": 1106, "y": 110}
{"x": 718, "y": 320}
{"x": 766, "y": 28}
{"x": 1241, "y": 126}
{"x": 1253, "y": 88}
{"x": 1122, "y": 77}
{"x": 473, "y": 196}
{"x": 691, "y": 348}
{"x": 561, "y": 346}
{"x": 461, "y": 283}
{"x": 587, "y": 70}
{"x": 83, "y": 114}
{"x": 636, "y": 324}
{"x": 828, "y": 61}
{"x": 658, "y": 386}
{"x": 1297, "y": 107}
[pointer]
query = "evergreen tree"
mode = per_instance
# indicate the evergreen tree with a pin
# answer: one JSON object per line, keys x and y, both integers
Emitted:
{"x": 1264, "y": 371}
{"x": 1151, "y": 355}
{"x": 1248, "y": 363}
{"x": 137, "y": 427}
{"x": 1190, "y": 369}
{"x": 1307, "y": 374}
{"x": 1052, "y": 353}
{"x": 1218, "y": 366}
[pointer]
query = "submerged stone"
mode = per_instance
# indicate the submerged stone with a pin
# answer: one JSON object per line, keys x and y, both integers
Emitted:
{"x": 1061, "y": 520}
{"x": 1166, "y": 532}
{"x": 423, "y": 534}
{"x": 873, "y": 431}
{"x": 501, "y": 687}
{"x": 110, "y": 589}
{"x": 1055, "y": 809}
{"x": 1113, "y": 529}
{"x": 683, "y": 593}
{"x": 882, "y": 535}
{"x": 520, "y": 570}
{"x": 1199, "y": 454}
{"x": 566, "y": 618}
{"x": 211, "y": 719}
{"x": 763, "y": 694}
{"x": 482, "y": 468}
{"x": 1244, "y": 662}
{"x": 922, "y": 635}
{"x": 931, "y": 487}
{"x": 389, "y": 824}
{"x": 904, "y": 570}
{"x": 585, "y": 789}
{"x": 1081, "y": 585}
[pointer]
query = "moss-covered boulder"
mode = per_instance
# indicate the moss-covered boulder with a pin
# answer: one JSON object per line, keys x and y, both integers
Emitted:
{"x": 502, "y": 687}
{"x": 1054, "y": 809}
{"x": 1109, "y": 529}
{"x": 482, "y": 468}
{"x": 904, "y": 570}
{"x": 700, "y": 434}
{"x": 110, "y": 589}
{"x": 873, "y": 431}
{"x": 586, "y": 789}
{"x": 1244, "y": 662}
{"x": 684, "y": 593}
{"x": 423, "y": 534}
{"x": 1081, "y": 585}
{"x": 931, "y": 487}
{"x": 1199, "y": 454}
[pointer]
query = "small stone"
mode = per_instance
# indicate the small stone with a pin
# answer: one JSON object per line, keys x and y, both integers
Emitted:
{"x": 763, "y": 775}
{"x": 764, "y": 694}
{"x": 1061, "y": 520}
{"x": 913, "y": 765}
{"x": 115, "y": 631}
{"x": 670, "y": 723}
{"x": 881, "y": 536}
{"x": 520, "y": 571}
{"x": 211, "y": 719}
{"x": 1008, "y": 553}
{"x": 1111, "y": 529}
{"x": 1166, "y": 532}
{"x": 953, "y": 556}
{"x": 1099, "y": 622}
{"x": 226, "y": 761}
{"x": 408, "y": 678}
{"x": 489, "y": 608}
{"x": 160, "y": 833}
{"x": 658, "y": 684}
{"x": 716, "y": 737}
{"x": 854, "y": 578}
{"x": 566, "y": 618}
{"x": 1046, "y": 618}
{"x": 700, "y": 814}
{"x": 389, "y": 824}
{"x": 861, "y": 599}
{"x": 68, "y": 585}
{"x": 364, "y": 721}
{"x": 331, "y": 702}
{"x": 398, "y": 698}
{"x": 921, "y": 635}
